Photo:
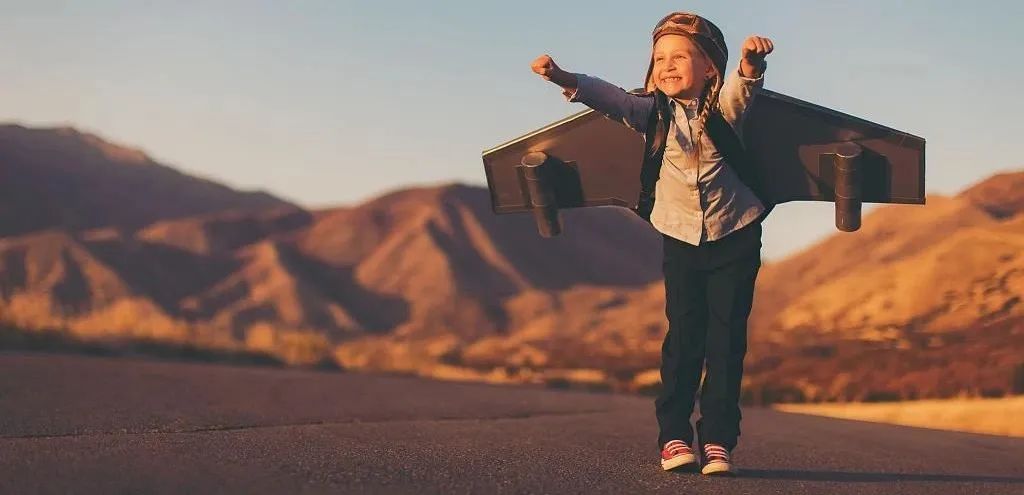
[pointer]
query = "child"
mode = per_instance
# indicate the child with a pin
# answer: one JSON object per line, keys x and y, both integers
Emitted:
{"x": 707, "y": 212}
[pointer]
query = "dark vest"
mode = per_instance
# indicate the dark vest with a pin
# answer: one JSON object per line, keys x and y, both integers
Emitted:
{"x": 721, "y": 134}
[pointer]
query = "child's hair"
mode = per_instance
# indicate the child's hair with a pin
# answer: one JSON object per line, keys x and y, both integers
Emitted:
{"x": 707, "y": 102}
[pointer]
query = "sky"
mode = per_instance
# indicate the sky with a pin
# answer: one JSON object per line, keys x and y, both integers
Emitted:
{"x": 328, "y": 103}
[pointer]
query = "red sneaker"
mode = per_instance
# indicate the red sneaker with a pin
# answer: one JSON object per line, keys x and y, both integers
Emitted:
{"x": 716, "y": 460}
{"x": 676, "y": 453}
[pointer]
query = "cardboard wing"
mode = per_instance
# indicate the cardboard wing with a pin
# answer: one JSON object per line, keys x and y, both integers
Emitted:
{"x": 800, "y": 151}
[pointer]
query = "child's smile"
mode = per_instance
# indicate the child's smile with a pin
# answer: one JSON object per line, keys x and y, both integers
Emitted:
{"x": 671, "y": 85}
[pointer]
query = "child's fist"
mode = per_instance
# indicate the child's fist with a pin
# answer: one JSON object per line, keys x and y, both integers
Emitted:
{"x": 545, "y": 66}
{"x": 756, "y": 48}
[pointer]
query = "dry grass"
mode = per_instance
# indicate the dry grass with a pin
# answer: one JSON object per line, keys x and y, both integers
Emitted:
{"x": 992, "y": 416}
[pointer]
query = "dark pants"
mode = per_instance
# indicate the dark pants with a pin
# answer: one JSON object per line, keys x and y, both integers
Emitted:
{"x": 708, "y": 293}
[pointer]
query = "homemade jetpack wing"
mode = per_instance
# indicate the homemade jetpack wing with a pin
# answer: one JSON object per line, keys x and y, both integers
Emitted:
{"x": 800, "y": 152}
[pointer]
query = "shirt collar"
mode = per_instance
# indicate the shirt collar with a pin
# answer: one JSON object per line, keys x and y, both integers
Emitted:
{"x": 689, "y": 106}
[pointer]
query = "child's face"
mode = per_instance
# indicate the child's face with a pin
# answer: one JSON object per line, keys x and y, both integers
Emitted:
{"x": 680, "y": 67}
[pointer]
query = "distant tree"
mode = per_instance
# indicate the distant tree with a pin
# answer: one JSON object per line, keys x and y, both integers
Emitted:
{"x": 1018, "y": 379}
{"x": 993, "y": 392}
{"x": 452, "y": 357}
{"x": 773, "y": 394}
{"x": 882, "y": 396}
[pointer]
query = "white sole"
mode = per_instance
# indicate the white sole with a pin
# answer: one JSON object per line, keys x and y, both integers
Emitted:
{"x": 720, "y": 468}
{"x": 678, "y": 461}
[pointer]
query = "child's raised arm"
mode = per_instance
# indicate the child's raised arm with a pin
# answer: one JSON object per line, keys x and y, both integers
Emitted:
{"x": 550, "y": 71}
{"x": 612, "y": 101}
{"x": 755, "y": 49}
{"x": 739, "y": 86}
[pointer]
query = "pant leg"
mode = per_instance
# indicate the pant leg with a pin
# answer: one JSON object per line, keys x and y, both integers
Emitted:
{"x": 730, "y": 297}
{"x": 682, "y": 352}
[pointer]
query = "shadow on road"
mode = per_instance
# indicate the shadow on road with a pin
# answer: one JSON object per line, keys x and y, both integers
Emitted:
{"x": 779, "y": 474}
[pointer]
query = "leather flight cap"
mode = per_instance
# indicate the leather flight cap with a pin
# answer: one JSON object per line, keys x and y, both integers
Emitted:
{"x": 702, "y": 31}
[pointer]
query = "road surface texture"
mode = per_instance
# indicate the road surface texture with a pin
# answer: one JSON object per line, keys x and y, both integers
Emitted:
{"x": 84, "y": 424}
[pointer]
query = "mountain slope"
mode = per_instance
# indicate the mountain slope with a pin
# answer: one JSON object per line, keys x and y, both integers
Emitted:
{"x": 72, "y": 180}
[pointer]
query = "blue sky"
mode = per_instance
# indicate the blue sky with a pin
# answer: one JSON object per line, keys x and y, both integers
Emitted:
{"x": 332, "y": 102}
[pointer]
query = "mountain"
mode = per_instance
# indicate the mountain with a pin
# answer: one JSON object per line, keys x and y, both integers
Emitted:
{"x": 922, "y": 301}
{"x": 51, "y": 280}
{"x": 63, "y": 178}
{"x": 1001, "y": 195}
{"x": 887, "y": 269}
{"x": 949, "y": 264}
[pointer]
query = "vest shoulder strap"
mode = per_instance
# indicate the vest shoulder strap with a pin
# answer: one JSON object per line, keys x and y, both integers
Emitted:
{"x": 734, "y": 153}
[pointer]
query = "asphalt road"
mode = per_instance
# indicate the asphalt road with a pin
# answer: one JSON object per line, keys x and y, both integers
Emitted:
{"x": 79, "y": 424}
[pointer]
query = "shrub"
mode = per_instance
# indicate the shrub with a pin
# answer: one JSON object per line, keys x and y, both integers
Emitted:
{"x": 1018, "y": 379}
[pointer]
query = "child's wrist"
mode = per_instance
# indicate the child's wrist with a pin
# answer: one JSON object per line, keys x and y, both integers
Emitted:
{"x": 567, "y": 80}
{"x": 752, "y": 68}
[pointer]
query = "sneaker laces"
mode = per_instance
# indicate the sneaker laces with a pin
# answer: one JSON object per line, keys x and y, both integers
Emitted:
{"x": 674, "y": 447}
{"x": 715, "y": 452}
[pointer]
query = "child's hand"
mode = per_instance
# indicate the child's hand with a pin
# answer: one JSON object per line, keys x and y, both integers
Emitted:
{"x": 545, "y": 66}
{"x": 755, "y": 49}
{"x": 550, "y": 71}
